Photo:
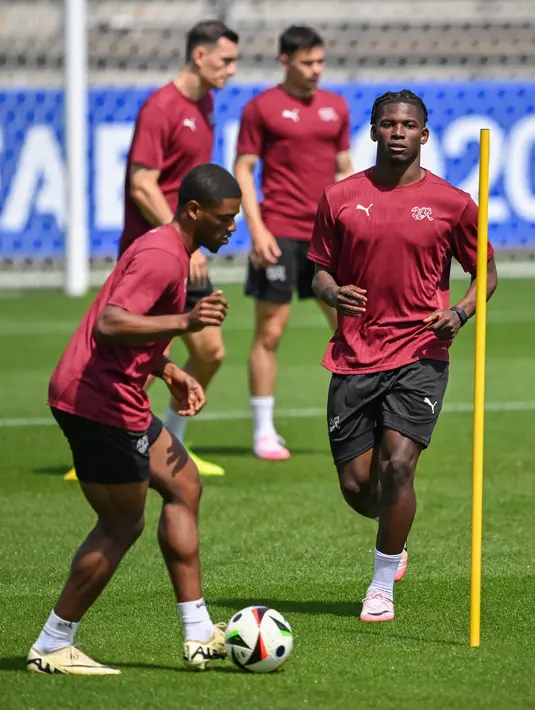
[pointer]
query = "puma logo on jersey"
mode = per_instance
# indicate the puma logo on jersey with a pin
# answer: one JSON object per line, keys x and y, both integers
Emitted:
{"x": 190, "y": 123}
{"x": 431, "y": 404}
{"x": 365, "y": 209}
{"x": 292, "y": 114}
{"x": 422, "y": 213}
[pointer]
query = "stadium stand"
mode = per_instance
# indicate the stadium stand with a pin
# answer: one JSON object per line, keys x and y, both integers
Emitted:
{"x": 458, "y": 39}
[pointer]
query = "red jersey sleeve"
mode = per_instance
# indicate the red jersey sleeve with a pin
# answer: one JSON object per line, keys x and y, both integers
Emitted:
{"x": 464, "y": 238}
{"x": 251, "y": 134}
{"x": 344, "y": 137}
{"x": 325, "y": 243}
{"x": 146, "y": 278}
{"x": 150, "y": 135}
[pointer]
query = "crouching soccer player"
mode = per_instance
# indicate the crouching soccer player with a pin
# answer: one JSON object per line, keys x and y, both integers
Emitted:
{"x": 119, "y": 447}
{"x": 383, "y": 244}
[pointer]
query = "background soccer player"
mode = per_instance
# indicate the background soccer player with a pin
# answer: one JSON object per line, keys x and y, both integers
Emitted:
{"x": 119, "y": 447}
{"x": 301, "y": 134}
{"x": 174, "y": 132}
{"x": 383, "y": 243}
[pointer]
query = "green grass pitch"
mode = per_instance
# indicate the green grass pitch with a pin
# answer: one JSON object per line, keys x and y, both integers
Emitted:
{"x": 280, "y": 534}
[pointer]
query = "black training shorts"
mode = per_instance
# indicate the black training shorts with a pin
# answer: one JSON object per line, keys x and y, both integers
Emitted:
{"x": 407, "y": 399}
{"x": 292, "y": 272}
{"x": 107, "y": 454}
{"x": 195, "y": 293}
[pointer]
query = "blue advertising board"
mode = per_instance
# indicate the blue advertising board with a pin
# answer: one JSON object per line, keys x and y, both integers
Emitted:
{"x": 32, "y": 164}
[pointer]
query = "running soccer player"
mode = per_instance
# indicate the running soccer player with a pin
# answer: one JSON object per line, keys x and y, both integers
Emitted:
{"x": 301, "y": 134}
{"x": 174, "y": 132}
{"x": 119, "y": 447}
{"x": 383, "y": 243}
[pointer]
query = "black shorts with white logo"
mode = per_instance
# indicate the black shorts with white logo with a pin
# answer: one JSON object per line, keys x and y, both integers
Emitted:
{"x": 407, "y": 399}
{"x": 277, "y": 283}
{"x": 107, "y": 454}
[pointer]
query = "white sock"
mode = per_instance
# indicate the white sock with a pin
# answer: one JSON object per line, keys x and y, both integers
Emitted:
{"x": 57, "y": 633}
{"x": 196, "y": 620}
{"x": 175, "y": 423}
{"x": 262, "y": 409}
{"x": 384, "y": 571}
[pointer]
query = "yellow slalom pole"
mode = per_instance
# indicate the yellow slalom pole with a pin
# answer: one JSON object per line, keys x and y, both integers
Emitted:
{"x": 479, "y": 388}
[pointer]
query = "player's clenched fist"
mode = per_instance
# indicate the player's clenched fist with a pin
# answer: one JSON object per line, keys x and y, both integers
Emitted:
{"x": 185, "y": 389}
{"x": 210, "y": 310}
{"x": 444, "y": 323}
{"x": 351, "y": 301}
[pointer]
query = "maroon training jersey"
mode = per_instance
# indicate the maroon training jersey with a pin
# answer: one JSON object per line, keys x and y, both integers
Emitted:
{"x": 105, "y": 382}
{"x": 298, "y": 141}
{"x": 173, "y": 135}
{"x": 398, "y": 245}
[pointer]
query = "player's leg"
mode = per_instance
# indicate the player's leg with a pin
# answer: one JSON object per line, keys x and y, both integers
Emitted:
{"x": 272, "y": 289}
{"x": 409, "y": 414}
{"x": 353, "y": 412}
{"x": 305, "y": 275}
{"x": 206, "y": 353}
{"x": 113, "y": 467}
{"x": 353, "y": 407}
{"x": 175, "y": 477}
{"x": 397, "y": 457}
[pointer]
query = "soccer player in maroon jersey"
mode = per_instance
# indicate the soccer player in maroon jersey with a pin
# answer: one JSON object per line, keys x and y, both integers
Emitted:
{"x": 119, "y": 447}
{"x": 174, "y": 132}
{"x": 301, "y": 134}
{"x": 383, "y": 243}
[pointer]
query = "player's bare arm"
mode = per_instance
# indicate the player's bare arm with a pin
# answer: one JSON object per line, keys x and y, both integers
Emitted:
{"x": 264, "y": 249}
{"x": 344, "y": 166}
{"x": 447, "y": 323}
{"x": 146, "y": 193}
{"x": 198, "y": 269}
{"x": 348, "y": 300}
{"x": 185, "y": 388}
{"x": 119, "y": 327}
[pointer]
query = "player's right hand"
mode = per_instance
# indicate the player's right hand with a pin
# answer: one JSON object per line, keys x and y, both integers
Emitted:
{"x": 351, "y": 301}
{"x": 265, "y": 250}
{"x": 210, "y": 310}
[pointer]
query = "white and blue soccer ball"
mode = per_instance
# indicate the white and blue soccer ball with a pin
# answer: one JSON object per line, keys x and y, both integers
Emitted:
{"x": 259, "y": 639}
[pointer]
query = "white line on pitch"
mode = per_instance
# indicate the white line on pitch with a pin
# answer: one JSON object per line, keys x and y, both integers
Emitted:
{"x": 305, "y": 413}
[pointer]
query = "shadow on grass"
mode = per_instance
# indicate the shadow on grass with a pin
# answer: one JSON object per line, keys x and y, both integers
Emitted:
{"x": 345, "y": 609}
{"x": 52, "y": 470}
{"x": 13, "y": 664}
{"x": 297, "y": 607}
{"x": 19, "y": 664}
{"x": 212, "y": 668}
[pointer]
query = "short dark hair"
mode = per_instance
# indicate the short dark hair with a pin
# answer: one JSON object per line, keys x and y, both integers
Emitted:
{"x": 398, "y": 97}
{"x": 208, "y": 184}
{"x": 208, "y": 32}
{"x": 299, "y": 37}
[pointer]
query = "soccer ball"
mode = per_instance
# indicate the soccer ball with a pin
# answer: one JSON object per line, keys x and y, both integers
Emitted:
{"x": 259, "y": 639}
